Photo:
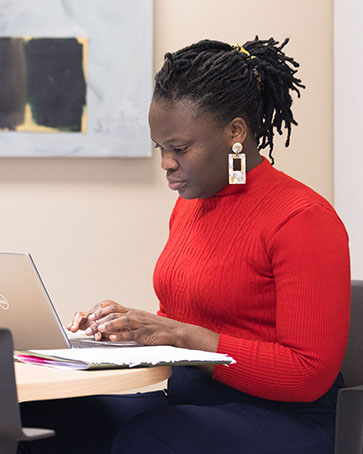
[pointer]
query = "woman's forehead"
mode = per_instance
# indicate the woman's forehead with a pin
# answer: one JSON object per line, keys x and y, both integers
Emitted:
{"x": 177, "y": 117}
{"x": 183, "y": 108}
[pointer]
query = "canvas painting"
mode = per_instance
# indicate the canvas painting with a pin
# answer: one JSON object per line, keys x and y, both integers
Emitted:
{"x": 75, "y": 78}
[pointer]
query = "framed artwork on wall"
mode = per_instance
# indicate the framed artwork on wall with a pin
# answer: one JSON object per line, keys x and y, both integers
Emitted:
{"x": 75, "y": 78}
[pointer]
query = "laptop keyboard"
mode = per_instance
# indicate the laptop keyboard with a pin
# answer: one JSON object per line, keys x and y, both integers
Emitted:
{"x": 90, "y": 343}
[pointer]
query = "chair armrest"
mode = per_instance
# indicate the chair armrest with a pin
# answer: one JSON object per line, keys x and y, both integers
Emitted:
{"x": 32, "y": 433}
{"x": 349, "y": 421}
{"x": 352, "y": 388}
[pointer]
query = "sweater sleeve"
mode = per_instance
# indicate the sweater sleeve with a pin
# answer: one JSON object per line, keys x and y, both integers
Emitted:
{"x": 160, "y": 310}
{"x": 310, "y": 261}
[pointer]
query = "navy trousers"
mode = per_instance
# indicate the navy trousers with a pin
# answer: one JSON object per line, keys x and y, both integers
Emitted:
{"x": 195, "y": 415}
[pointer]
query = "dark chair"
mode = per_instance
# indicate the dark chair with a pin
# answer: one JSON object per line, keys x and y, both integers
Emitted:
{"x": 11, "y": 430}
{"x": 349, "y": 419}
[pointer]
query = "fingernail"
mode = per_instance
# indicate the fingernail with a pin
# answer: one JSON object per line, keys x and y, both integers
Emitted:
{"x": 101, "y": 327}
{"x": 91, "y": 317}
{"x": 88, "y": 331}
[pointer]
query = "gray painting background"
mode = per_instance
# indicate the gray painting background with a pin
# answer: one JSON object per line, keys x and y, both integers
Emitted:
{"x": 119, "y": 74}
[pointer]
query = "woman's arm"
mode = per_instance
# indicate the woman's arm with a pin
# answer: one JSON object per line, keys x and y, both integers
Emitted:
{"x": 115, "y": 322}
{"x": 310, "y": 260}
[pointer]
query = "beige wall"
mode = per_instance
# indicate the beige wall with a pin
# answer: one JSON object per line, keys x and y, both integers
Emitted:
{"x": 96, "y": 227}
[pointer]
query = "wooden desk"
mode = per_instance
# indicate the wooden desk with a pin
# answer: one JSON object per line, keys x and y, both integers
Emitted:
{"x": 41, "y": 383}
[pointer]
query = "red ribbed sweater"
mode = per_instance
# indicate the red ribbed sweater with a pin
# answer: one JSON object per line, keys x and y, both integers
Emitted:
{"x": 265, "y": 265}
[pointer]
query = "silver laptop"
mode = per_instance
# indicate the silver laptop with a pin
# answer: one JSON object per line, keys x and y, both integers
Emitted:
{"x": 26, "y": 308}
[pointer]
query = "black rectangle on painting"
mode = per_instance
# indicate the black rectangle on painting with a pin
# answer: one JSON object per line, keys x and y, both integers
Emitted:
{"x": 56, "y": 84}
{"x": 12, "y": 83}
{"x": 237, "y": 164}
{"x": 47, "y": 74}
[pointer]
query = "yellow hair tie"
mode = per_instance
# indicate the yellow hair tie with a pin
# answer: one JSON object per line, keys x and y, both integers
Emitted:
{"x": 240, "y": 48}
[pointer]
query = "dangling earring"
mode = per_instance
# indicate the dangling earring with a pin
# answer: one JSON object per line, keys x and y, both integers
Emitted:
{"x": 237, "y": 165}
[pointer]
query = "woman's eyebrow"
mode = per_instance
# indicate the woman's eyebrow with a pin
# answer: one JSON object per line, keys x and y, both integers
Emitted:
{"x": 174, "y": 139}
{"x": 169, "y": 141}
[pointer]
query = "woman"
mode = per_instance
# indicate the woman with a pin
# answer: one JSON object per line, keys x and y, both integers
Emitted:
{"x": 258, "y": 270}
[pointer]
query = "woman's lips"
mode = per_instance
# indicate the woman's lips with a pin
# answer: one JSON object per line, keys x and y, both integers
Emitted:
{"x": 176, "y": 185}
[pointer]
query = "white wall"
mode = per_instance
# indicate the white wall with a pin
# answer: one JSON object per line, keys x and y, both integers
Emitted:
{"x": 348, "y": 124}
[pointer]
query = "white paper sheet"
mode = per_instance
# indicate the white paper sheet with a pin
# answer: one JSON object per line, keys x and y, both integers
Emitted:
{"x": 136, "y": 356}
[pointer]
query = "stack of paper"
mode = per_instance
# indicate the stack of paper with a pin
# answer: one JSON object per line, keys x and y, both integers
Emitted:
{"x": 123, "y": 357}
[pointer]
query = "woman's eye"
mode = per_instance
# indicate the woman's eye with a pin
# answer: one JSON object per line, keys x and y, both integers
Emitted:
{"x": 180, "y": 150}
{"x": 176, "y": 150}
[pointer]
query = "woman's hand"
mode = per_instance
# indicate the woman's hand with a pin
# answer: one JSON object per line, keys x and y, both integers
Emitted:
{"x": 111, "y": 320}
{"x": 83, "y": 320}
{"x": 117, "y": 323}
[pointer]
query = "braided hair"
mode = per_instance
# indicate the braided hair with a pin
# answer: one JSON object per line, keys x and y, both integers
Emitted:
{"x": 254, "y": 81}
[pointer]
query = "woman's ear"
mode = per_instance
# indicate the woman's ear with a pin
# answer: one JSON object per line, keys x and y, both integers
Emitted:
{"x": 238, "y": 128}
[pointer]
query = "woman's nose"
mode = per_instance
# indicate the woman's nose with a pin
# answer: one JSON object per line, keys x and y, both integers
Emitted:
{"x": 168, "y": 161}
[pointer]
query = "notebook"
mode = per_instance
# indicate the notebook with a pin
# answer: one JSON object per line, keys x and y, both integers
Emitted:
{"x": 27, "y": 310}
